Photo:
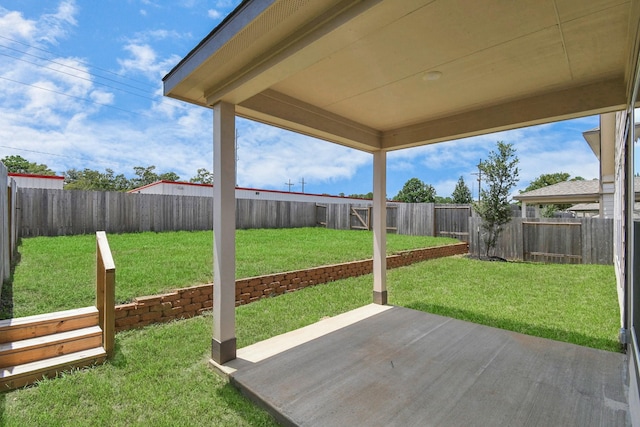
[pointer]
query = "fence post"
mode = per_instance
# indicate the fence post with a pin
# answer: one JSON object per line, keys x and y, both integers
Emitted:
{"x": 105, "y": 292}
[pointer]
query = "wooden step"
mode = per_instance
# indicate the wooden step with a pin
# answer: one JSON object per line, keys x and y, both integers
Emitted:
{"x": 28, "y": 373}
{"x": 45, "y": 347}
{"x": 22, "y": 328}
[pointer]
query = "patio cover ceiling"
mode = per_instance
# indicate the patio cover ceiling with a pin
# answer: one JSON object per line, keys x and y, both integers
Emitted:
{"x": 390, "y": 74}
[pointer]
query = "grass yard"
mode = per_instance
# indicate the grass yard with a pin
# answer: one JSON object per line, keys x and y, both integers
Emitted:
{"x": 160, "y": 377}
{"x": 58, "y": 273}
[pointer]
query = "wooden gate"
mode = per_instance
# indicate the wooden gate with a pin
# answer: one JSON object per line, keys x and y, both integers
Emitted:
{"x": 556, "y": 242}
{"x": 321, "y": 215}
{"x": 360, "y": 218}
{"x": 452, "y": 221}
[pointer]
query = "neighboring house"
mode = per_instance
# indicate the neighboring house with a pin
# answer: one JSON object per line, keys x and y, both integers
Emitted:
{"x": 176, "y": 188}
{"x": 24, "y": 180}
{"x": 598, "y": 191}
{"x": 585, "y": 210}
{"x": 567, "y": 192}
{"x": 586, "y": 196}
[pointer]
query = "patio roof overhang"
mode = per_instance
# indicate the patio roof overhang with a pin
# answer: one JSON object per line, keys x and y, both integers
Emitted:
{"x": 387, "y": 74}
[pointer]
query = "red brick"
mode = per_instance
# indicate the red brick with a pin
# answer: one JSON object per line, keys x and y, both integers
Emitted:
{"x": 121, "y": 313}
{"x": 193, "y": 307}
{"x": 127, "y": 321}
{"x": 172, "y": 312}
{"x": 139, "y": 309}
{"x": 151, "y": 316}
{"x": 170, "y": 297}
{"x": 200, "y": 298}
{"x": 150, "y": 300}
{"x": 207, "y": 304}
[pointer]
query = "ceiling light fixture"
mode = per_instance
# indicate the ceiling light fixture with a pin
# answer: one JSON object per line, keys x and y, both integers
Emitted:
{"x": 432, "y": 75}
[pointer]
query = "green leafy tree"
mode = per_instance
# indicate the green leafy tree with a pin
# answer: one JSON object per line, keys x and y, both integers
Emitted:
{"x": 18, "y": 164}
{"x": 500, "y": 172}
{"x": 203, "y": 176}
{"x": 416, "y": 191}
{"x": 89, "y": 179}
{"x": 443, "y": 200}
{"x": 461, "y": 194}
{"x": 146, "y": 176}
{"x": 368, "y": 195}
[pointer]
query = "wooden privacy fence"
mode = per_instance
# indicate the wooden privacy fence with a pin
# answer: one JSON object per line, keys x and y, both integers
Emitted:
{"x": 565, "y": 241}
{"x": 47, "y": 212}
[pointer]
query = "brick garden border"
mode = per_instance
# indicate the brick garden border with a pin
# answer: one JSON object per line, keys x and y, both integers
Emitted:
{"x": 194, "y": 300}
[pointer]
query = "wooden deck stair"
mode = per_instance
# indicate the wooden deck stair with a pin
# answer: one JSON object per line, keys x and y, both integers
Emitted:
{"x": 41, "y": 346}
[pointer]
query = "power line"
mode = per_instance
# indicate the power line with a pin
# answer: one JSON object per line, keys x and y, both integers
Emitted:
{"x": 71, "y": 96}
{"x": 86, "y": 79}
{"x": 66, "y": 66}
{"x": 81, "y": 62}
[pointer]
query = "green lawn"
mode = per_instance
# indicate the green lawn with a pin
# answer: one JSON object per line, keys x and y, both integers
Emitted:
{"x": 159, "y": 375}
{"x": 57, "y": 273}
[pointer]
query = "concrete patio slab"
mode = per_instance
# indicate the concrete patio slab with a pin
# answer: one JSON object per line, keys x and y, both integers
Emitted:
{"x": 393, "y": 366}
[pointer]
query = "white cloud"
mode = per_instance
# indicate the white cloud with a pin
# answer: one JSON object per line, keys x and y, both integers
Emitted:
{"x": 14, "y": 25}
{"x": 144, "y": 59}
{"x": 214, "y": 14}
{"x": 269, "y": 157}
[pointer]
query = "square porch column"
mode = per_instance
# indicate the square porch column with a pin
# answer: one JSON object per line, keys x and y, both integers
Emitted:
{"x": 223, "y": 343}
{"x": 380, "y": 227}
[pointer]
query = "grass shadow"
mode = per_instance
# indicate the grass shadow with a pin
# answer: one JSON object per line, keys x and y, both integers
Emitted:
{"x": 519, "y": 326}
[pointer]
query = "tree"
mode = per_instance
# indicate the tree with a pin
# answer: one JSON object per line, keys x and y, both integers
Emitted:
{"x": 146, "y": 176}
{"x": 501, "y": 175}
{"x": 203, "y": 176}
{"x": 461, "y": 194}
{"x": 369, "y": 195}
{"x": 18, "y": 164}
{"x": 443, "y": 200}
{"x": 89, "y": 179}
{"x": 416, "y": 191}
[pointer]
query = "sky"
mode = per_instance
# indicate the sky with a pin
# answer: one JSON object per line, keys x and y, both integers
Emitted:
{"x": 81, "y": 87}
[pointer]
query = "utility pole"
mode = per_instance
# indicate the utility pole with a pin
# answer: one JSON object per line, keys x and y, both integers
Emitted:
{"x": 479, "y": 179}
{"x": 302, "y": 182}
{"x": 290, "y": 184}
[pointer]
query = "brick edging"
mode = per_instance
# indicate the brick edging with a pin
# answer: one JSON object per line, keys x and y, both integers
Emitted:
{"x": 192, "y": 301}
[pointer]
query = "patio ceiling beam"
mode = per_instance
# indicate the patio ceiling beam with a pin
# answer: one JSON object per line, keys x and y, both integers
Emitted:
{"x": 595, "y": 98}
{"x": 289, "y": 113}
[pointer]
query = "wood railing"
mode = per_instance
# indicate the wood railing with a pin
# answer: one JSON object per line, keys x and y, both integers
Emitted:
{"x": 105, "y": 291}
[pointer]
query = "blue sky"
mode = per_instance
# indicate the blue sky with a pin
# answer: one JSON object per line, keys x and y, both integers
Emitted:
{"x": 81, "y": 87}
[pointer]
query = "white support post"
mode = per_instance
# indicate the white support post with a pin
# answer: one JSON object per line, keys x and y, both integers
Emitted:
{"x": 223, "y": 343}
{"x": 524, "y": 210}
{"x": 380, "y": 227}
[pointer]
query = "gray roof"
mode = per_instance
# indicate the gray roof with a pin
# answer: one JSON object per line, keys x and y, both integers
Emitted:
{"x": 569, "y": 192}
{"x": 585, "y": 207}
{"x": 584, "y": 191}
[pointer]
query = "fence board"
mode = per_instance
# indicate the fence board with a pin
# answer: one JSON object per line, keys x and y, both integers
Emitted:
{"x": 452, "y": 221}
{"x": 5, "y": 235}
{"x": 570, "y": 239}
